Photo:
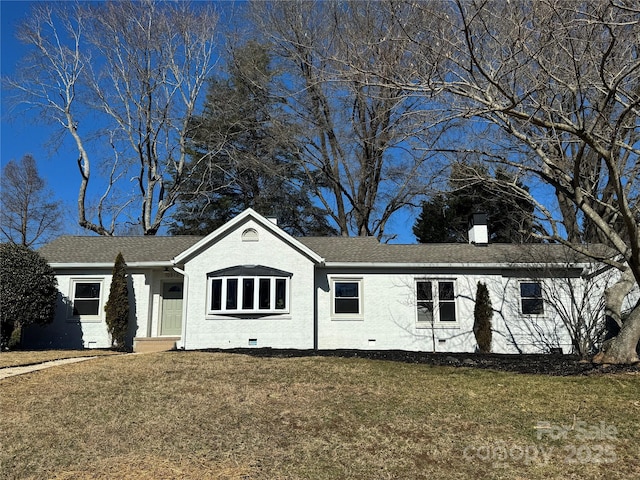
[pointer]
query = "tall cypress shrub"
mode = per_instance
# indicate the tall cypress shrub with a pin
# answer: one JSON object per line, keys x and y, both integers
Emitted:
{"x": 482, "y": 314}
{"x": 117, "y": 307}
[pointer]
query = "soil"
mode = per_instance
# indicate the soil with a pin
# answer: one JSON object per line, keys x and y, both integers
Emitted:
{"x": 543, "y": 364}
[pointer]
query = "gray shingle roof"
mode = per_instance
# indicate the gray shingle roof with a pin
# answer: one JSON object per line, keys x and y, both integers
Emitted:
{"x": 368, "y": 250}
{"x": 343, "y": 249}
{"x": 73, "y": 249}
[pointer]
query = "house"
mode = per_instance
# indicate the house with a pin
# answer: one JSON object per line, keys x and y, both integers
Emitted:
{"x": 250, "y": 284}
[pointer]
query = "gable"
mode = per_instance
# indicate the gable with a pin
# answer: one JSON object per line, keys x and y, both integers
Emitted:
{"x": 250, "y": 226}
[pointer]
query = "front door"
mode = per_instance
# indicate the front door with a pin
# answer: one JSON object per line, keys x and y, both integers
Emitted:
{"x": 171, "y": 323}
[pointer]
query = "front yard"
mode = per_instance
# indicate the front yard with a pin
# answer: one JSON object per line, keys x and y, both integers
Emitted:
{"x": 220, "y": 415}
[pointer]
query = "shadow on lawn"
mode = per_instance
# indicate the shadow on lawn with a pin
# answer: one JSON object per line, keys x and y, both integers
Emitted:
{"x": 544, "y": 364}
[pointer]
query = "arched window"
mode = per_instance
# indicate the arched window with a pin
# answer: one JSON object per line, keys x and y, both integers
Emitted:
{"x": 250, "y": 235}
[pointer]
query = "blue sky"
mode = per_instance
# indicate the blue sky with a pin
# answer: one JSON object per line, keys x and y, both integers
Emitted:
{"x": 22, "y": 133}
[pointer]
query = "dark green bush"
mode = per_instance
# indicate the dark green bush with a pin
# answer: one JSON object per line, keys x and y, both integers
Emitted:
{"x": 28, "y": 290}
{"x": 482, "y": 314}
{"x": 117, "y": 307}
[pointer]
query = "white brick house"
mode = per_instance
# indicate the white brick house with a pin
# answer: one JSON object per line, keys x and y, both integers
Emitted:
{"x": 250, "y": 284}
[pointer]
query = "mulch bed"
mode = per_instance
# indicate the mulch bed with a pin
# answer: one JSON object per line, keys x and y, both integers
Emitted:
{"x": 543, "y": 364}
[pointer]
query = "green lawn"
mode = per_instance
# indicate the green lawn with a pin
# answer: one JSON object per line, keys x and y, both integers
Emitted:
{"x": 215, "y": 415}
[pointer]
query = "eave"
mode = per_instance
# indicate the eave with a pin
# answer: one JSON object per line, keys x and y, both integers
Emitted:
{"x": 443, "y": 265}
{"x": 90, "y": 265}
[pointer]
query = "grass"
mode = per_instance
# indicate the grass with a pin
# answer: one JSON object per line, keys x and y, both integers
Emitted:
{"x": 30, "y": 357}
{"x": 225, "y": 416}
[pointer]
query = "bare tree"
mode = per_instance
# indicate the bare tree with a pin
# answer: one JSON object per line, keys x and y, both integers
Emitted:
{"x": 365, "y": 157}
{"x": 574, "y": 305}
{"x": 28, "y": 216}
{"x": 251, "y": 152}
{"x": 126, "y": 76}
{"x": 556, "y": 86}
{"x": 580, "y": 306}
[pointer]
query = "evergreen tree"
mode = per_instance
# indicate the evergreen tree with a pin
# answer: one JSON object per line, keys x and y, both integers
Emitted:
{"x": 117, "y": 307}
{"x": 433, "y": 224}
{"x": 244, "y": 157}
{"x": 482, "y": 313}
{"x": 28, "y": 289}
{"x": 472, "y": 189}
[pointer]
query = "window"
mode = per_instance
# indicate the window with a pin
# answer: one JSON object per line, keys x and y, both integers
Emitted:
{"x": 250, "y": 235}
{"x": 248, "y": 289}
{"x": 85, "y": 299}
{"x": 347, "y": 295}
{"x": 232, "y": 294}
{"x": 447, "y": 302}
{"x": 435, "y": 301}
{"x": 424, "y": 297}
{"x": 531, "y": 298}
{"x": 216, "y": 294}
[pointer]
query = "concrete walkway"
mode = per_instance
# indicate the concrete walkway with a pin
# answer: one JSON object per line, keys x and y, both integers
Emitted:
{"x": 13, "y": 371}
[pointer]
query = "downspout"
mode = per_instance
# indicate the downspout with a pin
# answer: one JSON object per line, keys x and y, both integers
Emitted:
{"x": 185, "y": 297}
{"x": 315, "y": 312}
{"x": 151, "y": 311}
{"x": 315, "y": 304}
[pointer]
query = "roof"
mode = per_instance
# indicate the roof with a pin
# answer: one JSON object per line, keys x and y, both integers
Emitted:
{"x": 103, "y": 250}
{"x": 344, "y": 249}
{"x": 367, "y": 250}
{"x": 334, "y": 250}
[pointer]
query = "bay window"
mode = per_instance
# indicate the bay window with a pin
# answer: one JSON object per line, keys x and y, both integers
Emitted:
{"x": 248, "y": 289}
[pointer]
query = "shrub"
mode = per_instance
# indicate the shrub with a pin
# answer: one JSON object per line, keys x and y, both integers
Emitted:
{"x": 117, "y": 307}
{"x": 482, "y": 314}
{"x": 28, "y": 290}
{"x": 15, "y": 341}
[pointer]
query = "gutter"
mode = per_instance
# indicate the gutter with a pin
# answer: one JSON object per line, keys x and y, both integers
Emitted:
{"x": 398, "y": 265}
{"x": 64, "y": 265}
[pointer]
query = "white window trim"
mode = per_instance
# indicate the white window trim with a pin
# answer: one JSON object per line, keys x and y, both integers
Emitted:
{"x": 256, "y": 297}
{"x": 347, "y": 316}
{"x": 437, "y": 323}
{"x": 520, "y": 298}
{"x": 86, "y": 318}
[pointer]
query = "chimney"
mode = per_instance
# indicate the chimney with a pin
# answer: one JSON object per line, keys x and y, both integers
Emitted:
{"x": 478, "y": 230}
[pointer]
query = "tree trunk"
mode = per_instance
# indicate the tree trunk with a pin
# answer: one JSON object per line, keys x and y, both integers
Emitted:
{"x": 622, "y": 348}
{"x": 615, "y": 295}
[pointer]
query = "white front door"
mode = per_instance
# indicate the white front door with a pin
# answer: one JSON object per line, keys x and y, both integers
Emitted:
{"x": 171, "y": 322}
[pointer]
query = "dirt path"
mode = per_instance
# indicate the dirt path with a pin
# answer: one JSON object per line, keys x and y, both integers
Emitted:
{"x": 13, "y": 371}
